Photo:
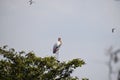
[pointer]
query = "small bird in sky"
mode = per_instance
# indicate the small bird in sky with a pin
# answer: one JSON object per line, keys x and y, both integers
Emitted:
{"x": 31, "y": 2}
{"x": 113, "y": 30}
{"x": 115, "y": 59}
{"x": 56, "y": 47}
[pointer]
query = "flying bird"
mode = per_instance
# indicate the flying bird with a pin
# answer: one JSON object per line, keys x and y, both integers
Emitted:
{"x": 118, "y": 78}
{"x": 115, "y": 59}
{"x": 56, "y": 48}
{"x": 113, "y": 30}
{"x": 31, "y": 2}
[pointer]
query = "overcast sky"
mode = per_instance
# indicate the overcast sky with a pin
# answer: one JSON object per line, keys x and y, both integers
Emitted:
{"x": 84, "y": 25}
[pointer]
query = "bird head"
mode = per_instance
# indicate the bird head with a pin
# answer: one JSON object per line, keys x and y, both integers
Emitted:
{"x": 59, "y": 39}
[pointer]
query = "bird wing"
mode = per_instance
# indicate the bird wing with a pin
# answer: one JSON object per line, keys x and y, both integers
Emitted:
{"x": 113, "y": 29}
{"x": 55, "y": 48}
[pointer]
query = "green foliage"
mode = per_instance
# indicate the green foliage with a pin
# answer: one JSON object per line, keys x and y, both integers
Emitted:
{"x": 85, "y": 79}
{"x": 27, "y": 66}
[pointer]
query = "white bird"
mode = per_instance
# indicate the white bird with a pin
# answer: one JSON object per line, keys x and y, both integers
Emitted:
{"x": 56, "y": 48}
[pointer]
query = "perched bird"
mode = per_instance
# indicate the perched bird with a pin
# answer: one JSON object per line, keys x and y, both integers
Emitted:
{"x": 113, "y": 30}
{"x": 56, "y": 48}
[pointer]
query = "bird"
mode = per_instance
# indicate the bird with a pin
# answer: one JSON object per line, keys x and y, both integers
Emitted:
{"x": 115, "y": 59}
{"x": 57, "y": 46}
{"x": 113, "y": 30}
{"x": 118, "y": 78}
{"x": 31, "y": 2}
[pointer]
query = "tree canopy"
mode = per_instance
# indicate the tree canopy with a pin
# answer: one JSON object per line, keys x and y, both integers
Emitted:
{"x": 27, "y": 66}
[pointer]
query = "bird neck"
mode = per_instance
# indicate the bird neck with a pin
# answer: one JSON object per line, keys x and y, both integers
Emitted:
{"x": 60, "y": 42}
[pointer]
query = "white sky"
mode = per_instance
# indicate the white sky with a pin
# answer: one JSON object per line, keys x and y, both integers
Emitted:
{"x": 84, "y": 25}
